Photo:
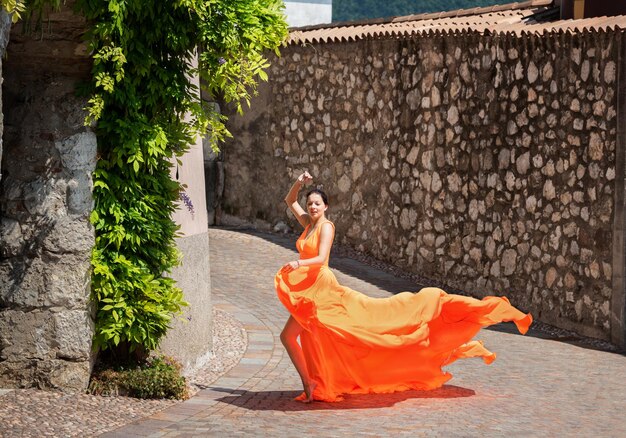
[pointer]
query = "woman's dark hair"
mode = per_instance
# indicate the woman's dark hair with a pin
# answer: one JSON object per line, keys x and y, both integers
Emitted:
{"x": 318, "y": 192}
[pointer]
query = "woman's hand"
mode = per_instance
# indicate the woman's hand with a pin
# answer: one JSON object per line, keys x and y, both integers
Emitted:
{"x": 291, "y": 266}
{"x": 305, "y": 178}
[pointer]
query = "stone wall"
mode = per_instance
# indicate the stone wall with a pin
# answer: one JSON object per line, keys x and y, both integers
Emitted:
{"x": 46, "y": 324}
{"x": 486, "y": 162}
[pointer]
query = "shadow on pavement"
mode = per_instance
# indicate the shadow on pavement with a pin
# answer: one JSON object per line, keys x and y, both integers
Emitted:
{"x": 284, "y": 400}
{"x": 544, "y": 331}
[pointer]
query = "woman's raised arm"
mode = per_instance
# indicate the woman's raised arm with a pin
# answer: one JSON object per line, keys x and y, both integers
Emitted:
{"x": 292, "y": 199}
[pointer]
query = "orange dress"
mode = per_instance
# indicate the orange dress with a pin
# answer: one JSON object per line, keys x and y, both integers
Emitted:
{"x": 355, "y": 344}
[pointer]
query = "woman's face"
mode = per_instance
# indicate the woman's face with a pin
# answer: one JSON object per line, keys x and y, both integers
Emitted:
{"x": 315, "y": 206}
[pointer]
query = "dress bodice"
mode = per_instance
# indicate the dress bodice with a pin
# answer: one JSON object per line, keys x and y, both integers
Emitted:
{"x": 308, "y": 244}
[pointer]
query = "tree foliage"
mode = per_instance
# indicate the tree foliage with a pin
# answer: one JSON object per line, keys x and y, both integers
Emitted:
{"x": 348, "y": 10}
{"x": 26, "y": 7}
{"x": 147, "y": 111}
{"x": 15, "y": 7}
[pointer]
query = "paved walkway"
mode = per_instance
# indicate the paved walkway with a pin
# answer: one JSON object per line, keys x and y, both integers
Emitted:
{"x": 536, "y": 387}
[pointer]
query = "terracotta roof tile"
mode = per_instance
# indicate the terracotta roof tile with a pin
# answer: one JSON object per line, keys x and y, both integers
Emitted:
{"x": 517, "y": 18}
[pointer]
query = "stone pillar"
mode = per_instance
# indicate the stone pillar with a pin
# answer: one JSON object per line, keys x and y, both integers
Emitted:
{"x": 46, "y": 325}
{"x": 214, "y": 179}
{"x": 213, "y": 174}
{"x": 190, "y": 338}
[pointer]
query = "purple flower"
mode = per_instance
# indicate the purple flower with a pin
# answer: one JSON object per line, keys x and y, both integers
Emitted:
{"x": 221, "y": 60}
{"x": 187, "y": 201}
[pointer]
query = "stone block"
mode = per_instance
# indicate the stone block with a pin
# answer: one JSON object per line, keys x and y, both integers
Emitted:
{"x": 21, "y": 283}
{"x": 69, "y": 234}
{"x": 67, "y": 376}
{"x": 26, "y": 335}
{"x": 11, "y": 238}
{"x": 20, "y": 374}
{"x": 77, "y": 152}
{"x": 79, "y": 199}
{"x": 44, "y": 196}
{"x": 50, "y": 280}
{"x": 5, "y": 28}
{"x": 73, "y": 332}
{"x": 72, "y": 377}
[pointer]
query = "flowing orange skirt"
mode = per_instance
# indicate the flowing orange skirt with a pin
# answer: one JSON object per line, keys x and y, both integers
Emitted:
{"x": 355, "y": 344}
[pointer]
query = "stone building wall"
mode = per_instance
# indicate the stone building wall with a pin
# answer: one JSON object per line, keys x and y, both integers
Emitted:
{"x": 5, "y": 28}
{"x": 46, "y": 318}
{"x": 486, "y": 162}
{"x": 46, "y": 323}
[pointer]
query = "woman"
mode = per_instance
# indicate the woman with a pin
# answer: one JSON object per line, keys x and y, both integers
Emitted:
{"x": 351, "y": 343}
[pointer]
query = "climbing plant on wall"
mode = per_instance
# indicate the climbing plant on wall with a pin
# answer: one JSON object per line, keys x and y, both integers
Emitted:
{"x": 146, "y": 112}
{"x": 17, "y": 8}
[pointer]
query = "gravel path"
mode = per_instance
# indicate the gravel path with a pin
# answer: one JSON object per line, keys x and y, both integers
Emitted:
{"x": 36, "y": 413}
{"x": 229, "y": 344}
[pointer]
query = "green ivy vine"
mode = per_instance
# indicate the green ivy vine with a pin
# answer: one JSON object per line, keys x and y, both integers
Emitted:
{"x": 146, "y": 112}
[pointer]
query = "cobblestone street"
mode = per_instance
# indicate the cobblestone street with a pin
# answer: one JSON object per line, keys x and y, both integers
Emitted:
{"x": 537, "y": 387}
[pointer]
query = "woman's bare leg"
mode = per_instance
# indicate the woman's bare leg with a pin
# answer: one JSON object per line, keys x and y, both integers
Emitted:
{"x": 289, "y": 338}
